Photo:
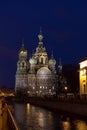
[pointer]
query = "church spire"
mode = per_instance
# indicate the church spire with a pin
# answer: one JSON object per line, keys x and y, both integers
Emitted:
{"x": 23, "y": 43}
{"x": 40, "y": 48}
{"x": 60, "y": 66}
{"x": 40, "y": 36}
{"x": 40, "y": 30}
{"x": 52, "y": 57}
{"x": 59, "y": 61}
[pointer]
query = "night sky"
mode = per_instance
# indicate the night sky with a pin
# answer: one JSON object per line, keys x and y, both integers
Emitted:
{"x": 64, "y": 26}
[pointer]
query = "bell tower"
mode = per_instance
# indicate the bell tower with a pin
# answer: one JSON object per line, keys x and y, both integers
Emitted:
{"x": 21, "y": 73}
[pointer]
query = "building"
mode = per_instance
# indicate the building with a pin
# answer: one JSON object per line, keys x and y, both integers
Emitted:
{"x": 71, "y": 73}
{"x": 83, "y": 77}
{"x": 36, "y": 76}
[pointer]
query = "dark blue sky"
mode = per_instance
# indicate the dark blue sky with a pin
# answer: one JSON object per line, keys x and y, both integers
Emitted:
{"x": 64, "y": 26}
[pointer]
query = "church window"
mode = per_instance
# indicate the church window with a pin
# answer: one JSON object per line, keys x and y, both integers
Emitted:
{"x": 23, "y": 65}
{"x": 84, "y": 88}
{"x": 41, "y": 60}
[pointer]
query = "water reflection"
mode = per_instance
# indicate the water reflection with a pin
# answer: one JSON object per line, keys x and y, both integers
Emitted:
{"x": 66, "y": 123}
{"x": 81, "y": 125}
{"x": 29, "y": 117}
{"x": 20, "y": 111}
{"x": 28, "y": 108}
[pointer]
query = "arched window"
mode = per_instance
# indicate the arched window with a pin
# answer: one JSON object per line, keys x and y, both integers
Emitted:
{"x": 41, "y": 60}
{"x": 23, "y": 65}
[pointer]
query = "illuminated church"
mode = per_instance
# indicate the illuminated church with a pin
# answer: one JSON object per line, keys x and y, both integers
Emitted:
{"x": 36, "y": 76}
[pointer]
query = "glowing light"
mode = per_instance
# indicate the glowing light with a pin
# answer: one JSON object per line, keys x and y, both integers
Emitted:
{"x": 81, "y": 125}
{"x": 40, "y": 87}
{"x": 66, "y": 125}
{"x": 28, "y": 92}
{"x": 66, "y": 88}
{"x": 41, "y": 119}
{"x": 83, "y": 64}
{"x": 21, "y": 51}
{"x": 81, "y": 72}
{"x": 28, "y": 108}
{"x": 53, "y": 87}
{"x": 33, "y": 87}
{"x": 83, "y": 77}
{"x": 84, "y": 71}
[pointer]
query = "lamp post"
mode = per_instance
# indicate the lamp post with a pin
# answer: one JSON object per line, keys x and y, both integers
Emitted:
{"x": 65, "y": 88}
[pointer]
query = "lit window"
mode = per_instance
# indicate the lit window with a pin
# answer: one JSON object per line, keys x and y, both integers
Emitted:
{"x": 53, "y": 87}
{"x": 49, "y": 90}
{"x": 40, "y": 87}
{"x": 33, "y": 87}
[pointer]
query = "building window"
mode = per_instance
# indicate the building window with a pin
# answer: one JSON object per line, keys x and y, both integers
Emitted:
{"x": 23, "y": 65}
{"x": 84, "y": 88}
{"x": 41, "y": 60}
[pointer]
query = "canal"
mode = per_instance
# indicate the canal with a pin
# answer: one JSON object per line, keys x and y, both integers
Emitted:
{"x": 29, "y": 117}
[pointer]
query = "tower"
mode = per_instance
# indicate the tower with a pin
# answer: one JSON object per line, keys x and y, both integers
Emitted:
{"x": 21, "y": 73}
{"x": 41, "y": 54}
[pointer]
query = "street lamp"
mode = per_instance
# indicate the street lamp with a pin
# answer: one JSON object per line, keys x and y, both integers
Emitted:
{"x": 66, "y": 90}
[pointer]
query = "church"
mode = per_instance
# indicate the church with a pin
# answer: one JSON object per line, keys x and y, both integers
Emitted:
{"x": 36, "y": 75}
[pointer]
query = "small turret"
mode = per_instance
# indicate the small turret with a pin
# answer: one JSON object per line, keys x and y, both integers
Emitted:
{"x": 52, "y": 63}
{"x": 33, "y": 61}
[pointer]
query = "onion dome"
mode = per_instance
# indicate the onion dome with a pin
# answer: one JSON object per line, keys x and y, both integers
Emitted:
{"x": 52, "y": 61}
{"x": 43, "y": 71}
{"x": 22, "y": 52}
{"x": 33, "y": 61}
{"x": 22, "y": 48}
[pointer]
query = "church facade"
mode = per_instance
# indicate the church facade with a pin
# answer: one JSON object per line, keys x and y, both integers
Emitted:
{"x": 36, "y": 76}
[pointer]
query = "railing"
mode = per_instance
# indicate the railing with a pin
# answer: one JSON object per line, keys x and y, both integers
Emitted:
{"x": 10, "y": 120}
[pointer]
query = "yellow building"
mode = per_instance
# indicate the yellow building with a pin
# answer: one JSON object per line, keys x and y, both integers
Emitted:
{"x": 83, "y": 77}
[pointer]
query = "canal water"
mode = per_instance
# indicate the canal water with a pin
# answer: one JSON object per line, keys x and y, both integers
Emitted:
{"x": 29, "y": 117}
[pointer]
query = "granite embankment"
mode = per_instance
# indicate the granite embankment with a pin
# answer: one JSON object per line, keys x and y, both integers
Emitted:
{"x": 70, "y": 107}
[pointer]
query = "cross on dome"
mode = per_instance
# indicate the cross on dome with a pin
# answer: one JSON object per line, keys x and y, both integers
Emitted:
{"x": 40, "y": 36}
